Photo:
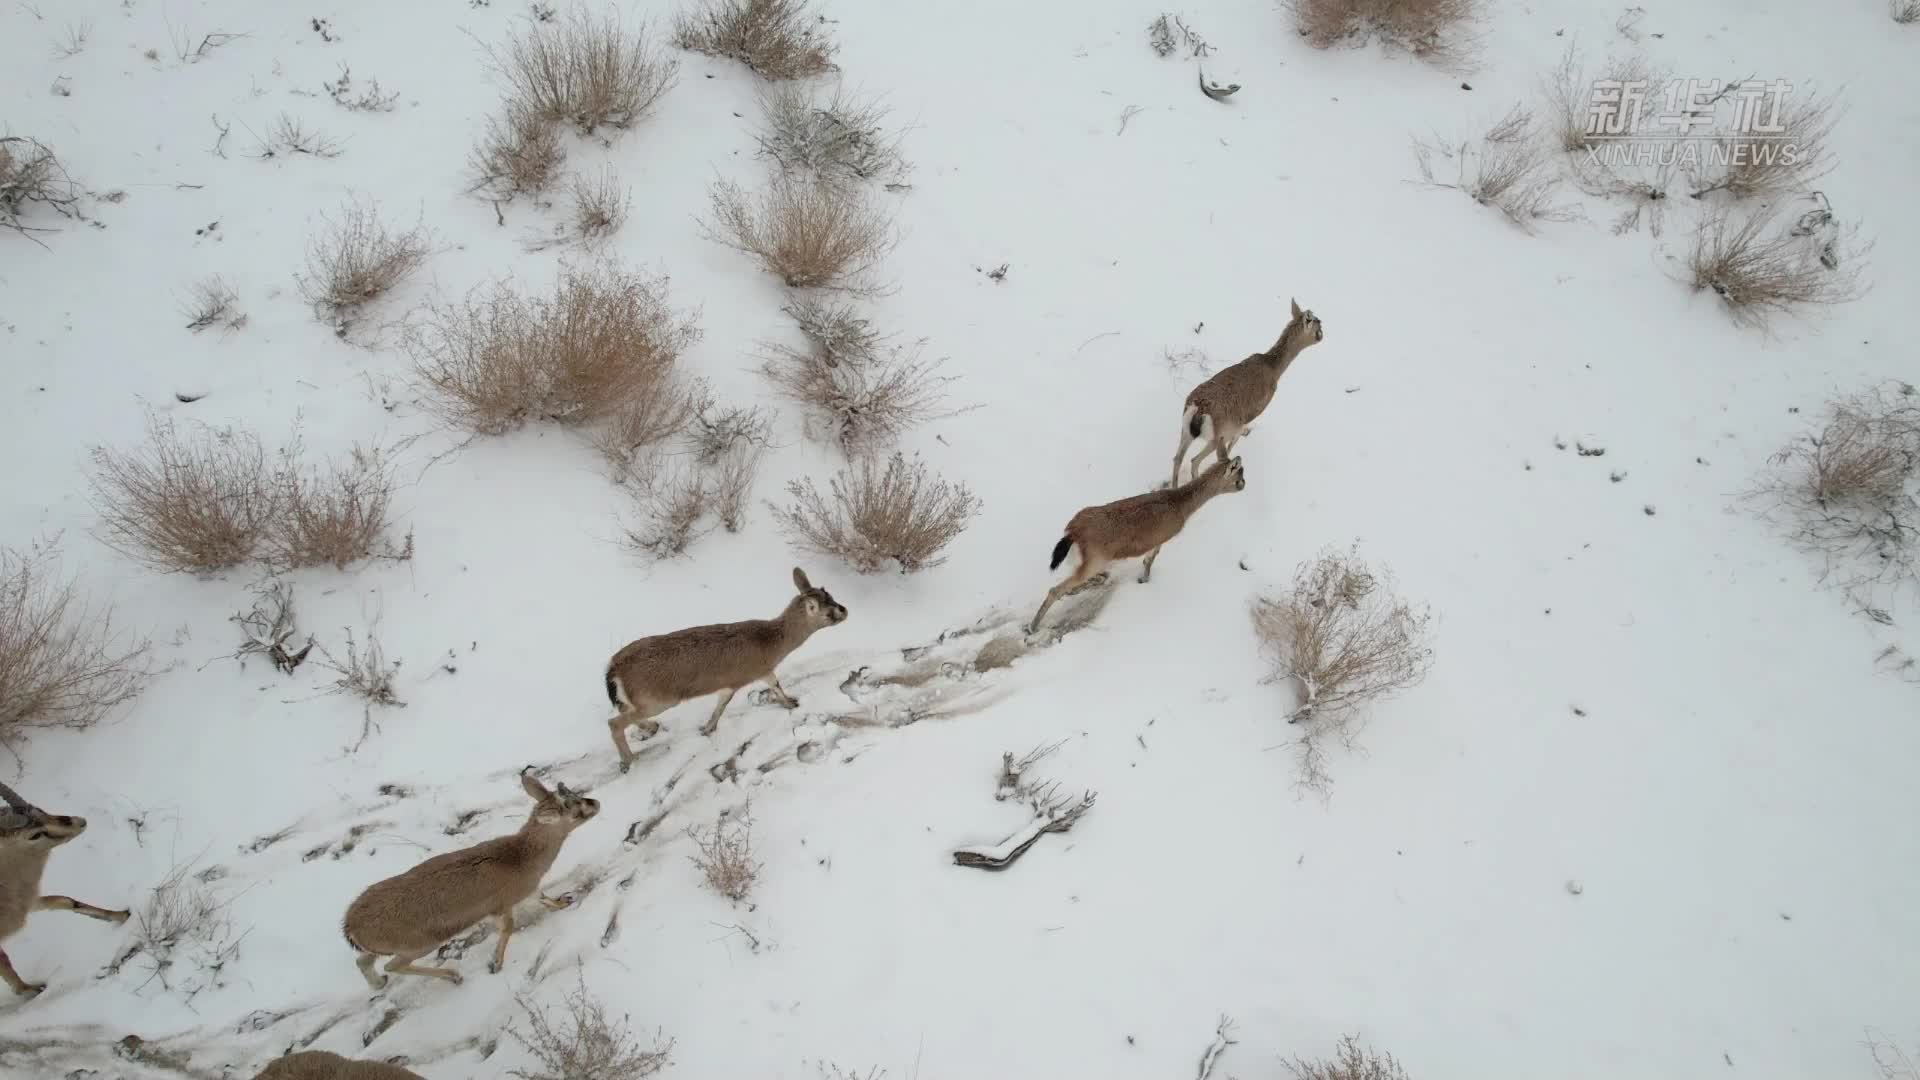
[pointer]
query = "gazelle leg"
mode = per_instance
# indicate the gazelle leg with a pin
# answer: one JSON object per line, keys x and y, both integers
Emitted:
{"x": 404, "y": 965}
{"x": 500, "y": 948}
{"x": 1193, "y": 472}
{"x": 713, "y": 721}
{"x": 1180, "y": 455}
{"x": 780, "y": 692}
{"x": 635, "y": 716}
{"x": 68, "y": 903}
{"x": 1147, "y": 570}
{"x": 19, "y": 985}
{"x": 365, "y": 962}
{"x": 1088, "y": 567}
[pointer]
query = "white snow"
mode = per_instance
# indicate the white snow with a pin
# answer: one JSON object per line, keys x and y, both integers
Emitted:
{"x": 1710, "y": 870}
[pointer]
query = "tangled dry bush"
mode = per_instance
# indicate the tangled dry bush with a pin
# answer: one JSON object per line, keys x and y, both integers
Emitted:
{"x": 672, "y": 494}
{"x": 776, "y": 39}
{"x": 838, "y": 138}
{"x": 1569, "y": 91}
{"x": 1893, "y": 1062}
{"x": 583, "y": 1043}
{"x": 357, "y": 260}
{"x": 1343, "y": 637}
{"x": 813, "y": 234}
{"x": 1507, "y": 168}
{"x": 583, "y": 70}
{"x": 1439, "y": 31}
{"x": 1904, "y": 11}
{"x": 519, "y": 153}
{"x": 198, "y": 503}
{"x": 1844, "y": 491}
{"x": 1761, "y": 271}
{"x": 1762, "y": 165}
{"x": 335, "y": 516}
{"x": 31, "y": 174}
{"x": 1352, "y": 1062}
{"x": 213, "y": 302}
{"x": 899, "y": 514}
{"x": 600, "y": 205}
{"x": 860, "y": 392}
{"x": 725, "y": 854}
{"x": 605, "y": 346}
{"x": 60, "y": 665}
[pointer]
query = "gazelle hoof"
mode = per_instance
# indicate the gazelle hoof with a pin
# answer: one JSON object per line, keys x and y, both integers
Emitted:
{"x": 493, "y": 968}
{"x": 118, "y": 917}
{"x": 31, "y": 990}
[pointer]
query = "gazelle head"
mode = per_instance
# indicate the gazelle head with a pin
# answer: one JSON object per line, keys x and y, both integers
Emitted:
{"x": 1220, "y": 478}
{"x": 26, "y": 826}
{"x": 1308, "y": 324}
{"x": 817, "y": 605}
{"x": 562, "y": 807}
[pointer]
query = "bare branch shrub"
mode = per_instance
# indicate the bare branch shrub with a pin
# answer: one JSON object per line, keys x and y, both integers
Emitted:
{"x": 213, "y": 302}
{"x": 812, "y": 234}
{"x": 519, "y": 154}
{"x": 1644, "y": 186}
{"x": 31, "y": 173}
{"x": 584, "y": 1044}
{"x": 289, "y": 136}
{"x": 840, "y": 138}
{"x": 1507, "y": 168}
{"x": 331, "y": 518}
{"x": 1346, "y": 640}
{"x": 1842, "y": 492}
{"x": 59, "y": 664}
{"x": 1904, "y": 11}
{"x": 1350, "y": 1063}
{"x": 858, "y": 399}
{"x": 733, "y": 478}
{"x": 269, "y": 625}
{"x": 725, "y": 855}
{"x": 1569, "y": 93}
{"x": 183, "y": 934}
{"x": 670, "y": 499}
{"x": 776, "y": 39}
{"x": 899, "y": 514}
{"x": 1777, "y": 163}
{"x": 1761, "y": 272}
{"x": 605, "y": 345}
{"x": 588, "y": 71}
{"x": 365, "y": 673}
{"x": 358, "y": 260}
{"x": 359, "y": 98}
{"x": 73, "y": 40}
{"x": 837, "y": 331}
{"x": 196, "y": 503}
{"x": 599, "y": 209}
{"x": 1167, "y": 33}
{"x": 1439, "y": 31}
{"x": 661, "y": 410}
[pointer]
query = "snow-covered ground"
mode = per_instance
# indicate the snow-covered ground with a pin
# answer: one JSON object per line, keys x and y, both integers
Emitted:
{"x": 1650, "y": 815}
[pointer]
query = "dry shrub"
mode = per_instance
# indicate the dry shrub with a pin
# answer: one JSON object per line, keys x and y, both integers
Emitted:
{"x": 1893, "y": 1062}
{"x": 334, "y": 517}
{"x": 603, "y": 344}
{"x": 669, "y": 499}
{"x": 599, "y": 209}
{"x": 30, "y": 173}
{"x": 1761, "y": 271}
{"x": 725, "y": 855}
{"x": 213, "y": 302}
{"x": 519, "y": 154}
{"x": 837, "y": 331}
{"x": 183, "y": 934}
{"x": 1351, "y": 1063}
{"x": 672, "y": 494}
{"x": 861, "y": 393}
{"x": 659, "y": 411}
{"x": 1439, "y": 31}
{"x": 357, "y": 260}
{"x": 813, "y": 234}
{"x": 899, "y": 514}
{"x": 585, "y": 71}
{"x": 1569, "y": 93}
{"x": 1777, "y": 163}
{"x": 196, "y": 503}
{"x": 839, "y": 138}
{"x": 776, "y": 39}
{"x": 1507, "y": 168}
{"x": 289, "y": 137}
{"x": 1904, "y": 11}
{"x": 1645, "y": 185}
{"x": 59, "y": 664}
{"x": 1346, "y": 640}
{"x": 1842, "y": 491}
{"x": 584, "y": 1044}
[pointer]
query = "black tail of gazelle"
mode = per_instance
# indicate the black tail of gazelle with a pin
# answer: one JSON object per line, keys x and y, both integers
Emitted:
{"x": 613, "y": 690}
{"x": 1060, "y": 552}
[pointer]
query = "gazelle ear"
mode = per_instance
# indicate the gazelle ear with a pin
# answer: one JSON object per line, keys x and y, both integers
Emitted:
{"x": 532, "y": 786}
{"x": 800, "y": 580}
{"x": 1296, "y": 306}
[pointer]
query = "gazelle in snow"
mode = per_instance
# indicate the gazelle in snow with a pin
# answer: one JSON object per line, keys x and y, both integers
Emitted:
{"x": 28, "y": 835}
{"x": 653, "y": 674}
{"x": 1219, "y": 409}
{"x": 1135, "y": 526}
{"x": 412, "y": 913}
{"x": 327, "y": 1065}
